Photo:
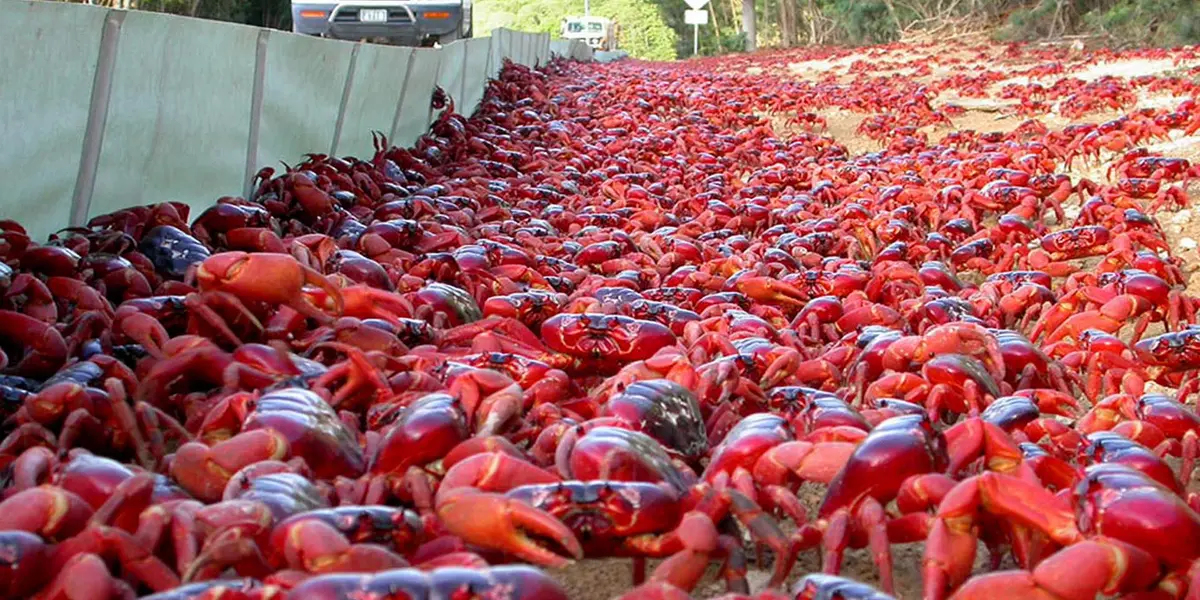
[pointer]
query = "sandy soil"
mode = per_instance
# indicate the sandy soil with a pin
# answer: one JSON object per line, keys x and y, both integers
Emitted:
{"x": 604, "y": 579}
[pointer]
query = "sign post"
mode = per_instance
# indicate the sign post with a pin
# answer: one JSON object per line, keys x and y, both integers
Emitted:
{"x": 696, "y": 17}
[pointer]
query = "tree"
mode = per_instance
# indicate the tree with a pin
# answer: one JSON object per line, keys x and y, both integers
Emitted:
{"x": 787, "y": 22}
{"x": 643, "y": 32}
{"x": 748, "y": 25}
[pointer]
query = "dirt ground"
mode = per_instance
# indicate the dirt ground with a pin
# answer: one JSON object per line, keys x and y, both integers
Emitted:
{"x": 605, "y": 579}
{"x": 609, "y": 578}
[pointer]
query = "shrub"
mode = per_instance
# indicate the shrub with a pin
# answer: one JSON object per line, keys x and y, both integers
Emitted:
{"x": 864, "y": 21}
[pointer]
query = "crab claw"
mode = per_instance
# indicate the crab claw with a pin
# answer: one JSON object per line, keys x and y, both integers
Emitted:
{"x": 204, "y": 470}
{"x": 1052, "y": 402}
{"x": 496, "y": 522}
{"x": 45, "y": 349}
{"x": 765, "y": 289}
{"x": 270, "y": 278}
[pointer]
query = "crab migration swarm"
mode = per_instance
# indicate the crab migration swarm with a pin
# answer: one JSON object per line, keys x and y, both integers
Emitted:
{"x": 617, "y": 313}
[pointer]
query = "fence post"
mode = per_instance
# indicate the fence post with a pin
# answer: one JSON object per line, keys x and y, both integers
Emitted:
{"x": 256, "y": 104}
{"x": 341, "y": 118}
{"x": 93, "y": 135}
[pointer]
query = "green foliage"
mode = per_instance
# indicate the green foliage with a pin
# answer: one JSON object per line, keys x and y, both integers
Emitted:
{"x": 541, "y": 16}
{"x": 1149, "y": 22}
{"x": 863, "y": 21}
{"x": 1121, "y": 22}
{"x": 730, "y": 41}
{"x": 262, "y": 13}
{"x": 643, "y": 31}
{"x": 1029, "y": 24}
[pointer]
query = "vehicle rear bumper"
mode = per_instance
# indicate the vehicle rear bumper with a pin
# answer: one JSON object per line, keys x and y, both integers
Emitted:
{"x": 406, "y": 20}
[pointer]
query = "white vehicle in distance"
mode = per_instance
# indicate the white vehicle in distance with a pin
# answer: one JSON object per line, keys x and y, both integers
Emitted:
{"x": 598, "y": 32}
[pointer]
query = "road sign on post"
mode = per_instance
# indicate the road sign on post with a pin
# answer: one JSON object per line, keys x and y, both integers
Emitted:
{"x": 696, "y": 17}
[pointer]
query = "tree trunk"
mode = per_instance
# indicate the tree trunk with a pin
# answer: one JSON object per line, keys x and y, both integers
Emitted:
{"x": 787, "y": 22}
{"x": 716, "y": 23}
{"x": 767, "y": 16}
{"x": 748, "y": 25}
{"x": 733, "y": 12}
{"x": 891, "y": 8}
{"x": 783, "y": 27}
{"x": 812, "y": 15}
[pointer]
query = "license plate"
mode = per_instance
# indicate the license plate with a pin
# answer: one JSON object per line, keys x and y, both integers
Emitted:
{"x": 373, "y": 15}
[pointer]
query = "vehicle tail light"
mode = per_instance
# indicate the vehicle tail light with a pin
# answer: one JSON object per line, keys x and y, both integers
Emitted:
{"x": 437, "y": 15}
{"x": 313, "y": 14}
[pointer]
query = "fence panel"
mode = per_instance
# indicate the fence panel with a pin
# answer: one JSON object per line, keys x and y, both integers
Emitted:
{"x": 106, "y": 109}
{"x": 302, "y": 94}
{"x": 475, "y": 75}
{"x": 450, "y": 71}
{"x": 379, "y": 78}
{"x": 178, "y": 115}
{"x": 45, "y": 93}
{"x": 414, "y": 116}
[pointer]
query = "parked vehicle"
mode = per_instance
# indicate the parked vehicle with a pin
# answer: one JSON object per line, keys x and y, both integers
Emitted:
{"x": 598, "y": 32}
{"x": 402, "y": 22}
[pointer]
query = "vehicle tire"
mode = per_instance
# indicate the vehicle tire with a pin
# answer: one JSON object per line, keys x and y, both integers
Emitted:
{"x": 456, "y": 35}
